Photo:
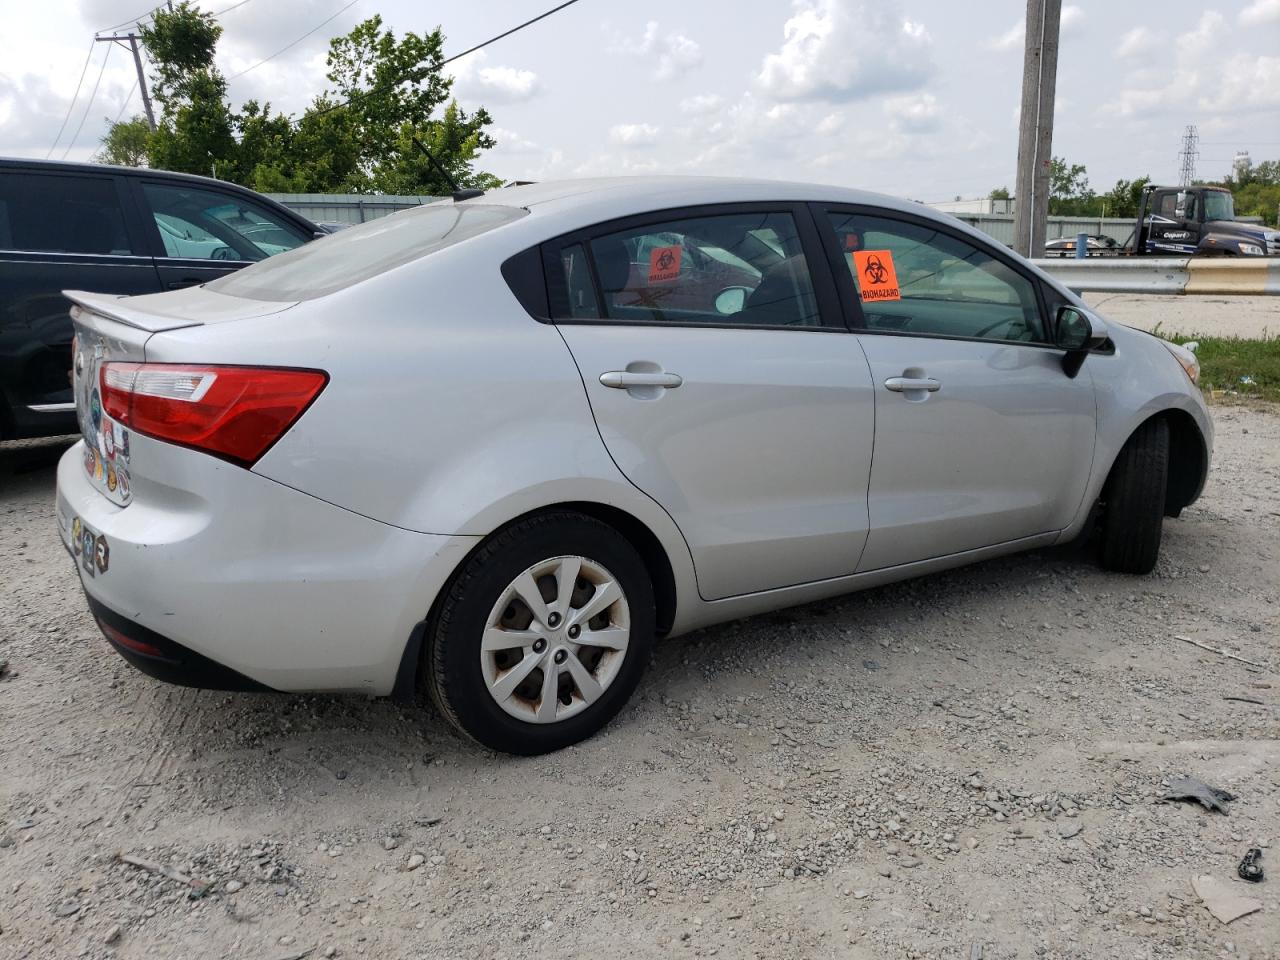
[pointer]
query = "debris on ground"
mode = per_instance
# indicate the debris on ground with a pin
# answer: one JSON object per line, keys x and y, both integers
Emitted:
{"x": 1221, "y": 653}
{"x": 1189, "y": 788}
{"x": 198, "y": 887}
{"x": 1250, "y": 869}
{"x": 1221, "y": 902}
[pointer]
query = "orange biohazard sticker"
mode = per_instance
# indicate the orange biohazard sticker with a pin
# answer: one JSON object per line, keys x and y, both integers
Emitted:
{"x": 664, "y": 264}
{"x": 877, "y": 280}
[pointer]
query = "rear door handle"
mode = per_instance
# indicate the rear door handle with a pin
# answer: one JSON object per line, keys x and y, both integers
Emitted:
{"x": 903, "y": 384}
{"x": 626, "y": 380}
{"x": 183, "y": 284}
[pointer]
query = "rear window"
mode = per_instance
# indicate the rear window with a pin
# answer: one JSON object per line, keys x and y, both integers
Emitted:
{"x": 347, "y": 258}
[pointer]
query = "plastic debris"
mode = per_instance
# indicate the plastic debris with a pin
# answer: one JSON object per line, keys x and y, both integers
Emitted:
{"x": 1189, "y": 788}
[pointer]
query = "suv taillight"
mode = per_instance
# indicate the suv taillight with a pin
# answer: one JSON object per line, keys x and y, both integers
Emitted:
{"x": 235, "y": 413}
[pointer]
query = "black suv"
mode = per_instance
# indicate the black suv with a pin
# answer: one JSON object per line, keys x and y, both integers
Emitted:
{"x": 83, "y": 226}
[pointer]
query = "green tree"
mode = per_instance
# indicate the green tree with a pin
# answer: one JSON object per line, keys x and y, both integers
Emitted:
{"x": 999, "y": 193}
{"x": 1122, "y": 200}
{"x": 194, "y": 132}
{"x": 358, "y": 137}
{"x": 1069, "y": 192}
{"x": 126, "y": 144}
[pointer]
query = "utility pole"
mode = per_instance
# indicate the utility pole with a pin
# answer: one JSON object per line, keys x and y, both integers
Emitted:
{"x": 1035, "y": 126}
{"x": 133, "y": 38}
{"x": 1190, "y": 142}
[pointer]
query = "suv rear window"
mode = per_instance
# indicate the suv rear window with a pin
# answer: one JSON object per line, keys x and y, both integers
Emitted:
{"x": 53, "y": 213}
{"x": 347, "y": 258}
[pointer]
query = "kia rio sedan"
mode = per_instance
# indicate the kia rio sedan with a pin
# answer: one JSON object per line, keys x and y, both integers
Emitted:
{"x": 492, "y": 448}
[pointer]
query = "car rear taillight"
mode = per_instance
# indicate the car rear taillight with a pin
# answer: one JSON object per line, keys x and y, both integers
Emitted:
{"x": 235, "y": 413}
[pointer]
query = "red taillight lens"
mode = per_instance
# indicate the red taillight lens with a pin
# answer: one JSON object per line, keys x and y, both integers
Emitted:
{"x": 236, "y": 413}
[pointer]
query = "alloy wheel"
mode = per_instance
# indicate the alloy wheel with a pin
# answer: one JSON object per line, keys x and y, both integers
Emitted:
{"x": 555, "y": 640}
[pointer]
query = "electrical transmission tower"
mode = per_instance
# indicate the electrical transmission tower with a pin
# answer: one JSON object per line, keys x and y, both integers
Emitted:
{"x": 1190, "y": 138}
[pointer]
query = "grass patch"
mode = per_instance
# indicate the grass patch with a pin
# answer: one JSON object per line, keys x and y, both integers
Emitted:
{"x": 1233, "y": 367}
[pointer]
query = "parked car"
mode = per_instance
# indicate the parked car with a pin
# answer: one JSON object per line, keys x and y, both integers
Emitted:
{"x": 455, "y": 449}
{"x": 1099, "y": 245}
{"x": 118, "y": 230}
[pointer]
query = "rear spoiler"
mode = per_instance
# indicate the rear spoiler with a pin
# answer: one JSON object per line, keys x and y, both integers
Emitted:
{"x": 114, "y": 307}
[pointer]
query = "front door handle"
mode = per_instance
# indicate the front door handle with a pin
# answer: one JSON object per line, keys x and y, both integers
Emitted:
{"x": 627, "y": 380}
{"x": 908, "y": 384}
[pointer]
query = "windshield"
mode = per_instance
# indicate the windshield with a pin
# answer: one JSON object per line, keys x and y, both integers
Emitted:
{"x": 1218, "y": 205}
{"x": 343, "y": 259}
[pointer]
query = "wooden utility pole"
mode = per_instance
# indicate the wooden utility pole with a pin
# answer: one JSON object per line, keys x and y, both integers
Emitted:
{"x": 1035, "y": 126}
{"x": 132, "y": 39}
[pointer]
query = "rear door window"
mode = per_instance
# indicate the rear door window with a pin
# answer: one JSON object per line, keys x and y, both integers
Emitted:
{"x": 735, "y": 269}
{"x": 350, "y": 256}
{"x": 62, "y": 213}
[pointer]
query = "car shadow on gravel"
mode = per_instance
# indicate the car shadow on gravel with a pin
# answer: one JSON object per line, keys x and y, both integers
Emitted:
{"x": 31, "y": 462}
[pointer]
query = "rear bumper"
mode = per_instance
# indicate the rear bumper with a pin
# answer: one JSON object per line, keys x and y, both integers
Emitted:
{"x": 164, "y": 659}
{"x": 242, "y": 583}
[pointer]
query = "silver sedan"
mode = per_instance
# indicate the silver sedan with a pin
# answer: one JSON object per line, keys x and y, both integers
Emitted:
{"x": 490, "y": 449}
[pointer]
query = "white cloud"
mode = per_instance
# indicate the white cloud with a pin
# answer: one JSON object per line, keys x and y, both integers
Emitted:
{"x": 831, "y": 123}
{"x": 1012, "y": 39}
{"x": 679, "y": 56}
{"x": 633, "y": 134}
{"x": 676, "y": 53}
{"x": 1260, "y": 12}
{"x": 701, "y": 104}
{"x": 498, "y": 84}
{"x": 511, "y": 142}
{"x": 1244, "y": 80}
{"x": 1244, "y": 83}
{"x": 1136, "y": 41}
{"x": 917, "y": 113}
{"x": 836, "y": 50}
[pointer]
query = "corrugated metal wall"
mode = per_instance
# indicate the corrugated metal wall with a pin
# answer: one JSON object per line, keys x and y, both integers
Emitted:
{"x": 346, "y": 208}
{"x": 1000, "y": 227}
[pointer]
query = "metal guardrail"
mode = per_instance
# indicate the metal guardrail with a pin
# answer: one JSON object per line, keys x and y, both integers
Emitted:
{"x": 1177, "y": 276}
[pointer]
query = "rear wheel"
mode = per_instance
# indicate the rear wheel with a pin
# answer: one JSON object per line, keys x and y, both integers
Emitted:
{"x": 543, "y": 635}
{"x": 1133, "y": 501}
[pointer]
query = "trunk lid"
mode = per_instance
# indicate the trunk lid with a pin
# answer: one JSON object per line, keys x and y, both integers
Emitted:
{"x": 103, "y": 332}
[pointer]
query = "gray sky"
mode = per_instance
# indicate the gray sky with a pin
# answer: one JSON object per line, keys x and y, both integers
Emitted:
{"x": 911, "y": 97}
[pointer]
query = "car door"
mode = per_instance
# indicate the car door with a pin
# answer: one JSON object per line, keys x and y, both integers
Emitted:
{"x": 202, "y": 233}
{"x": 981, "y": 438}
{"x": 1175, "y": 222}
{"x": 725, "y": 386}
{"x": 59, "y": 229}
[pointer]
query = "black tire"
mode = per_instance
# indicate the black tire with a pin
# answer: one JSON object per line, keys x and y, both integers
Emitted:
{"x": 1133, "y": 501}
{"x": 452, "y": 662}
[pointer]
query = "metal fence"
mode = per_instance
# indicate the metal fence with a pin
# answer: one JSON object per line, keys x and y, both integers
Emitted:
{"x": 1000, "y": 226}
{"x": 1239, "y": 276}
{"x": 346, "y": 207}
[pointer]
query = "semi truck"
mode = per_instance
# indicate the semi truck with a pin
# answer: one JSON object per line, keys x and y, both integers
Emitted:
{"x": 1197, "y": 221}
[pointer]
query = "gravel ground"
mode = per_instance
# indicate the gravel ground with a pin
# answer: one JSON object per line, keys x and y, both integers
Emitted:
{"x": 966, "y": 765}
{"x": 1249, "y": 317}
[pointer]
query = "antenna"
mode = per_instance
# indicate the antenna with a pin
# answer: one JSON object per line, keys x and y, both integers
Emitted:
{"x": 1190, "y": 138}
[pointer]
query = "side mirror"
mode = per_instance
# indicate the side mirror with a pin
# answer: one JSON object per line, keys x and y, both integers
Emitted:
{"x": 1071, "y": 329}
{"x": 1077, "y": 334}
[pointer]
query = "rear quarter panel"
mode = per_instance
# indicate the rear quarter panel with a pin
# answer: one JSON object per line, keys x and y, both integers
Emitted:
{"x": 449, "y": 408}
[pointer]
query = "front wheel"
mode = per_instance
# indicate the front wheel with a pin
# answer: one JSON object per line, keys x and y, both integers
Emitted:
{"x": 542, "y": 636}
{"x": 1133, "y": 501}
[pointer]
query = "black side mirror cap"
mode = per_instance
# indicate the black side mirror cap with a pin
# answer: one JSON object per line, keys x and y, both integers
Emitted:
{"x": 1074, "y": 332}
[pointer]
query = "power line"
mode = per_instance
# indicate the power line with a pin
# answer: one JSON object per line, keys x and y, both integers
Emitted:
{"x": 89, "y": 106}
{"x": 127, "y": 100}
{"x": 72, "y": 105}
{"x": 148, "y": 15}
{"x": 288, "y": 46}
{"x": 459, "y": 56}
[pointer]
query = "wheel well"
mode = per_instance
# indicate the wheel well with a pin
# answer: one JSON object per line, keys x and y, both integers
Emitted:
{"x": 1187, "y": 461}
{"x": 649, "y": 548}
